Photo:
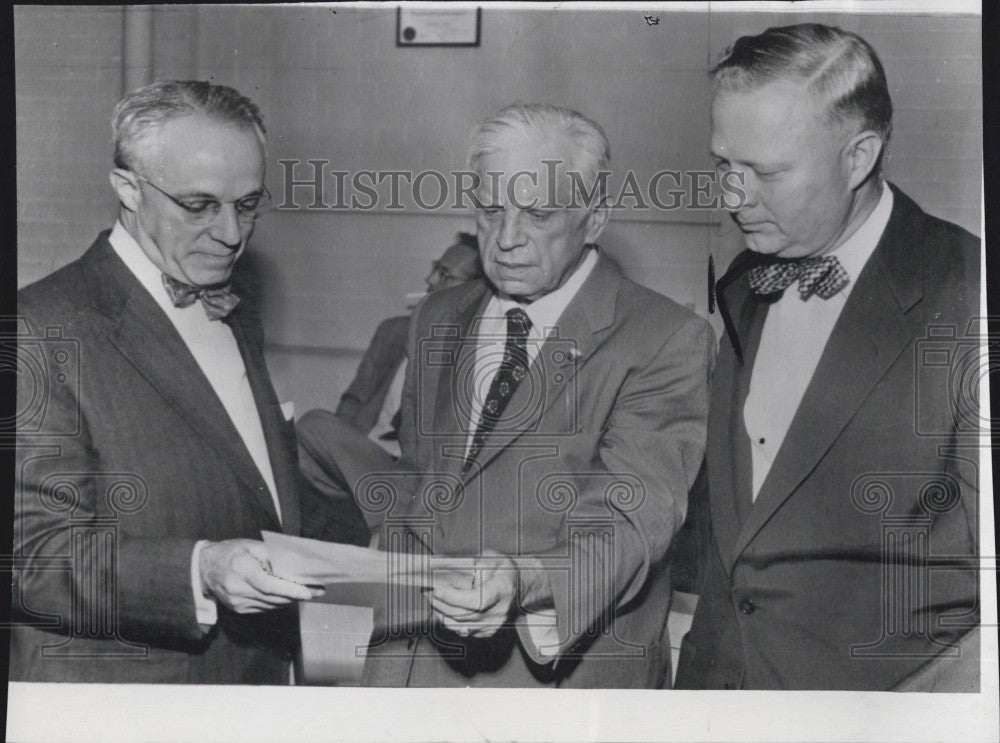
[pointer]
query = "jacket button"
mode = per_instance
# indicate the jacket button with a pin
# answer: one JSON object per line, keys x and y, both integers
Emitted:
{"x": 747, "y": 607}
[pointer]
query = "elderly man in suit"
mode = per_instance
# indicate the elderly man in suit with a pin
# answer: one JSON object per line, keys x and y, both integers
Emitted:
{"x": 553, "y": 421}
{"x": 161, "y": 451}
{"x": 841, "y": 463}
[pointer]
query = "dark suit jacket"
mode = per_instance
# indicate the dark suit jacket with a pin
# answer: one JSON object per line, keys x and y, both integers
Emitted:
{"x": 823, "y": 582}
{"x": 128, "y": 461}
{"x": 600, "y": 441}
{"x": 361, "y": 404}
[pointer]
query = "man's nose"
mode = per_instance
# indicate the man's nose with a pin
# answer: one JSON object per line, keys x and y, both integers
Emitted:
{"x": 511, "y": 232}
{"x": 227, "y": 228}
{"x": 739, "y": 190}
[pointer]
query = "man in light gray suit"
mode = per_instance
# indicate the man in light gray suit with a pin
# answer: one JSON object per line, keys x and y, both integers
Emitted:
{"x": 553, "y": 419}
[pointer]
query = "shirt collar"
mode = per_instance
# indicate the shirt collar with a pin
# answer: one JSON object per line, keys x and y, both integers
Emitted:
{"x": 139, "y": 264}
{"x": 545, "y": 312}
{"x": 854, "y": 253}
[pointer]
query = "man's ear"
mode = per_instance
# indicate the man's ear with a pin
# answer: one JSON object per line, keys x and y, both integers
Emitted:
{"x": 861, "y": 155}
{"x": 596, "y": 221}
{"x": 126, "y": 185}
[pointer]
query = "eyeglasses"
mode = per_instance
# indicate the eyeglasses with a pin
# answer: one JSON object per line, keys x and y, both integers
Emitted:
{"x": 442, "y": 273}
{"x": 203, "y": 211}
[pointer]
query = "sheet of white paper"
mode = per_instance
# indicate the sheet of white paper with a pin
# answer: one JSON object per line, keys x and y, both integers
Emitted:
{"x": 323, "y": 563}
{"x": 317, "y": 562}
{"x": 367, "y": 591}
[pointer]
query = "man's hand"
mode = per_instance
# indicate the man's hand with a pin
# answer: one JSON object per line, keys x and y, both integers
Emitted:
{"x": 237, "y": 573}
{"x": 476, "y": 602}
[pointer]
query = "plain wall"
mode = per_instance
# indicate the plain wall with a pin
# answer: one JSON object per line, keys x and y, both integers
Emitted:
{"x": 333, "y": 86}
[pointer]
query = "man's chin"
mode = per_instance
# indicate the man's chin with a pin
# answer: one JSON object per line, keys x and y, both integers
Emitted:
{"x": 759, "y": 243}
{"x": 209, "y": 278}
{"x": 518, "y": 290}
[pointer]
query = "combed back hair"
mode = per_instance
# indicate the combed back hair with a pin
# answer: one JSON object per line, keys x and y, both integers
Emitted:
{"x": 587, "y": 143}
{"x": 837, "y": 65}
{"x": 146, "y": 109}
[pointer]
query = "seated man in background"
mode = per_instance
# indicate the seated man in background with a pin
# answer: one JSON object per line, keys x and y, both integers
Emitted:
{"x": 553, "y": 420}
{"x": 371, "y": 402}
{"x": 363, "y": 435}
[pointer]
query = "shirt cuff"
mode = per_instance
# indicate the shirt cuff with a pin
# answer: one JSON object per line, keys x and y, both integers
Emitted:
{"x": 538, "y": 627}
{"x": 541, "y": 634}
{"x": 205, "y": 610}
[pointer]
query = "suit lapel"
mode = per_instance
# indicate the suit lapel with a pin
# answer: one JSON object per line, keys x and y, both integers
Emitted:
{"x": 148, "y": 340}
{"x": 729, "y": 455}
{"x": 560, "y": 357}
{"x": 278, "y": 435}
{"x": 452, "y": 403}
{"x": 868, "y": 337}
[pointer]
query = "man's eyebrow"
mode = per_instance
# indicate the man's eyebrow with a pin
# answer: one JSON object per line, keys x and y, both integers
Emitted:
{"x": 198, "y": 195}
{"x": 215, "y": 197}
{"x": 753, "y": 164}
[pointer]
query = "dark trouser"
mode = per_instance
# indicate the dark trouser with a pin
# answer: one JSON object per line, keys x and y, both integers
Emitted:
{"x": 333, "y": 456}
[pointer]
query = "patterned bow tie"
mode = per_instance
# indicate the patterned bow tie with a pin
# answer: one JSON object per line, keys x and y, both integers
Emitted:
{"x": 822, "y": 276}
{"x": 218, "y": 301}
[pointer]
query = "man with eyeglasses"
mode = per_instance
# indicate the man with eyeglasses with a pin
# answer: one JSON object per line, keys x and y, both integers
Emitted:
{"x": 161, "y": 451}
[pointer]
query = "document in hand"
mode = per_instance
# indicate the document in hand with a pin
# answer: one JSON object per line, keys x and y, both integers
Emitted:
{"x": 336, "y": 628}
{"x": 368, "y": 594}
{"x": 316, "y": 562}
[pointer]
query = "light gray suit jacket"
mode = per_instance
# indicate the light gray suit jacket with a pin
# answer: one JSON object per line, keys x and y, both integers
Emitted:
{"x": 588, "y": 471}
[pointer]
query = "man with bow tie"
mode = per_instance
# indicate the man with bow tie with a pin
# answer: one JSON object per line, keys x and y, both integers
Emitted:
{"x": 842, "y": 478}
{"x": 552, "y": 423}
{"x": 147, "y": 477}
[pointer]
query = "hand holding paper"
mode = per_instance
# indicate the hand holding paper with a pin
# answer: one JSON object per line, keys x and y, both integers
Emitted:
{"x": 236, "y": 572}
{"x": 476, "y": 600}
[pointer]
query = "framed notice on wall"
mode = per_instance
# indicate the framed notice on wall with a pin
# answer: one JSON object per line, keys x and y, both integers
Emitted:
{"x": 437, "y": 26}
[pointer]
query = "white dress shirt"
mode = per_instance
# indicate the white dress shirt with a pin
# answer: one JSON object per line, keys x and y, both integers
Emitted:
{"x": 793, "y": 338}
{"x": 214, "y": 348}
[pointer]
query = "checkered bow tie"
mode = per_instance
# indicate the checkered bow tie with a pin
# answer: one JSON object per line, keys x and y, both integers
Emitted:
{"x": 823, "y": 276}
{"x": 218, "y": 301}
